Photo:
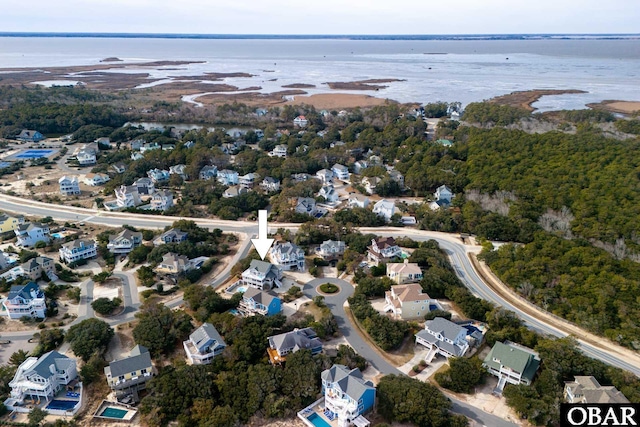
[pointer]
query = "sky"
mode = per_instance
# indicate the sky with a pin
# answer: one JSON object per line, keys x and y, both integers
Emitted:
{"x": 322, "y": 17}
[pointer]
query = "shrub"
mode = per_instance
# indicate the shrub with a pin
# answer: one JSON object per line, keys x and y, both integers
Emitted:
{"x": 329, "y": 288}
{"x": 105, "y": 306}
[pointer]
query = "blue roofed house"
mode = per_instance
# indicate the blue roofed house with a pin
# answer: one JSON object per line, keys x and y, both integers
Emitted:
{"x": 255, "y": 301}
{"x": 173, "y": 235}
{"x": 203, "y": 345}
{"x": 41, "y": 379}
{"x": 25, "y": 300}
{"x": 158, "y": 175}
{"x": 299, "y": 339}
{"x": 347, "y": 395}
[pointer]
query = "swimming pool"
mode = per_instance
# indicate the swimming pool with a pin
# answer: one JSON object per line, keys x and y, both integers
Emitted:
{"x": 62, "y": 405}
{"x": 113, "y": 413}
{"x": 242, "y": 289}
{"x": 33, "y": 154}
{"x": 318, "y": 421}
{"x": 57, "y": 235}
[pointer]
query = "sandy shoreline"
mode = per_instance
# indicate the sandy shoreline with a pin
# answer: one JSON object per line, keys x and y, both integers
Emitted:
{"x": 524, "y": 99}
{"x": 615, "y": 106}
{"x": 332, "y": 101}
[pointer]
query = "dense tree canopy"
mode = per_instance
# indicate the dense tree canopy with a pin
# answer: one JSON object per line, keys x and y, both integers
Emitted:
{"x": 89, "y": 337}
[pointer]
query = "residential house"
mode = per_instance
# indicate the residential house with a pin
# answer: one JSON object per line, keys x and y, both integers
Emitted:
{"x": 87, "y": 157}
{"x": 455, "y": 116}
{"x": 41, "y": 379}
{"x": 359, "y": 166}
{"x": 262, "y": 275}
{"x": 9, "y": 223}
{"x": 69, "y": 185}
{"x": 150, "y": 146}
{"x": 173, "y": 263}
{"x": 405, "y": 272}
{"x": 145, "y": 186}
{"x": 347, "y": 396}
{"x": 383, "y": 250}
{"x": 329, "y": 193}
{"x": 124, "y": 242}
{"x": 443, "y": 193}
{"x": 357, "y": 201}
{"x": 158, "y": 175}
{"x": 103, "y": 141}
{"x": 248, "y": 180}
{"x": 407, "y": 301}
{"x": 203, "y": 345}
{"x": 189, "y": 144}
{"x": 94, "y": 179}
{"x": 31, "y": 233}
{"x": 585, "y": 389}
{"x": 287, "y": 256}
{"x": 127, "y": 196}
{"x": 180, "y": 170}
{"x": 408, "y": 220}
{"x": 435, "y": 205}
{"x": 370, "y": 183}
{"x": 30, "y": 136}
{"x": 129, "y": 376}
{"x": 385, "y": 209}
{"x": 25, "y": 300}
{"x": 511, "y": 363}
{"x": 227, "y": 177}
{"x": 136, "y": 144}
{"x": 306, "y": 205}
{"x": 173, "y": 235}
{"x": 443, "y": 337}
{"x": 279, "y": 150}
{"x": 255, "y": 301}
{"x": 325, "y": 176}
{"x": 34, "y": 268}
{"x": 234, "y": 191}
{"x": 341, "y": 172}
{"x": 136, "y": 156}
{"x": 397, "y": 177}
{"x": 119, "y": 167}
{"x": 261, "y": 112}
{"x": 301, "y": 177}
{"x": 270, "y": 184}
{"x": 208, "y": 172}
{"x": 290, "y": 342}
{"x": 300, "y": 121}
{"x": 161, "y": 200}
{"x": 331, "y": 249}
{"x": 77, "y": 250}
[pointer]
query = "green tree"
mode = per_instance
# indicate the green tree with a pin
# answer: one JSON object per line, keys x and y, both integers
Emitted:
{"x": 463, "y": 374}
{"x": 74, "y": 294}
{"x": 89, "y": 337}
{"x": 158, "y": 328}
{"x": 18, "y": 357}
{"x": 106, "y": 306}
{"x": 36, "y": 416}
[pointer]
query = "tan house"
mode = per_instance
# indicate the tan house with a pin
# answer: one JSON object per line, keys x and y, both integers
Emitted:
{"x": 38, "y": 265}
{"x": 407, "y": 301}
{"x": 174, "y": 264}
{"x": 406, "y": 272}
{"x": 585, "y": 389}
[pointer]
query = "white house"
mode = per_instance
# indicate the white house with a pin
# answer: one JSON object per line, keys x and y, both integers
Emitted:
{"x": 287, "y": 256}
{"x": 25, "y": 300}
{"x": 124, "y": 242}
{"x": 119, "y": 167}
{"x": 357, "y": 201}
{"x": 208, "y": 172}
{"x": 443, "y": 193}
{"x": 38, "y": 379}
{"x": 77, "y": 250}
{"x": 31, "y": 233}
{"x": 325, "y": 176}
{"x": 180, "y": 170}
{"x": 341, "y": 172}
{"x": 248, "y": 180}
{"x": 383, "y": 250}
{"x": 150, "y": 146}
{"x": 587, "y": 389}
{"x": 385, "y": 209}
{"x": 279, "y": 150}
{"x": 347, "y": 396}
{"x": 95, "y": 179}
{"x": 69, "y": 185}
{"x": 370, "y": 183}
{"x": 443, "y": 337}
{"x": 306, "y": 205}
{"x": 329, "y": 193}
{"x": 300, "y": 121}
{"x": 161, "y": 200}
{"x": 407, "y": 301}
{"x": 136, "y": 156}
{"x": 359, "y": 166}
{"x": 203, "y": 345}
{"x": 145, "y": 186}
{"x": 270, "y": 184}
{"x": 227, "y": 177}
{"x": 331, "y": 249}
{"x": 86, "y": 157}
{"x": 262, "y": 275}
{"x": 158, "y": 175}
{"x": 127, "y": 196}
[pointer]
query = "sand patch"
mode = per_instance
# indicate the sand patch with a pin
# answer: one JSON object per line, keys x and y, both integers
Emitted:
{"x": 339, "y": 100}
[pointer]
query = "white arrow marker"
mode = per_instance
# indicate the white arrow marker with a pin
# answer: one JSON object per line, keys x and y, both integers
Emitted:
{"x": 262, "y": 244}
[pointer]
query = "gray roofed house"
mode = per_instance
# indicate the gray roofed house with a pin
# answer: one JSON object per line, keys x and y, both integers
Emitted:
{"x": 129, "y": 376}
{"x": 587, "y": 389}
{"x": 290, "y": 342}
{"x": 204, "y": 344}
{"x": 441, "y": 336}
{"x": 208, "y": 172}
{"x": 25, "y": 300}
{"x": 288, "y": 256}
{"x": 347, "y": 395}
{"x": 262, "y": 275}
{"x": 124, "y": 242}
{"x": 28, "y": 135}
{"x": 255, "y": 301}
{"x": 331, "y": 249}
{"x": 174, "y": 235}
{"x": 174, "y": 264}
{"x": 306, "y": 205}
{"x": 511, "y": 363}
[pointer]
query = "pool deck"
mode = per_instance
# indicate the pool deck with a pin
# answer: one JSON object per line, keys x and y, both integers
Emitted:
{"x": 130, "y": 415}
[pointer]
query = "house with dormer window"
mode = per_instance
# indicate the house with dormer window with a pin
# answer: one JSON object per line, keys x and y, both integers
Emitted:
{"x": 129, "y": 376}
{"x": 77, "y": 250}
{"x": 347, "y": 395}
{"x": 287, "y": 256}
{"x": 383, "y": 250}
{"x": 124, "y": 242}
{"x": 407, "y": 301}
{"x": 203, "y": 345}
{"x": 299, "y": 339}
{"x": 442, "y": 336}
{"x": 262, "y": 275}
{"x": 25, "y": 300}
{"x": 31, "y": 233}
{"x": 255, "y": 301}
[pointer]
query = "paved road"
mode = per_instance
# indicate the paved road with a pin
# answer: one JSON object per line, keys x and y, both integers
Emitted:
{"x": 336, "y": 303}
{"x": 454, "y": 247}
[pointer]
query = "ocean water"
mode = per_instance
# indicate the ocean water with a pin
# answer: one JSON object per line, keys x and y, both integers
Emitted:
{"x": 431, "y": 70}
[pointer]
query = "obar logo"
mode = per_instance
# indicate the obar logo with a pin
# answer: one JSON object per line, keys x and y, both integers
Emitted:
{"x": 591, "y": 414}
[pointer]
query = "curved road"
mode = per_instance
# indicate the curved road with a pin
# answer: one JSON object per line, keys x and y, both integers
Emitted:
{"x": 452, "y": 245}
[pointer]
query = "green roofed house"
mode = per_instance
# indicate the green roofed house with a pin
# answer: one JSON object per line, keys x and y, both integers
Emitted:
{"x": 511, "y": 363}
